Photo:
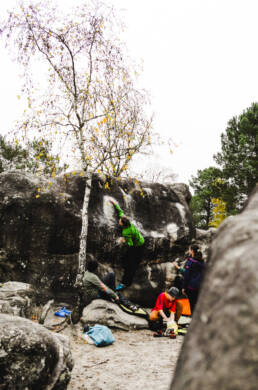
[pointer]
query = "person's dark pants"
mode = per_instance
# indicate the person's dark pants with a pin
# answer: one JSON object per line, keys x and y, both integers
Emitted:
{"x": 193, "y": 297}
{"x": 131, "y": 262}
{"x": 110, "y": 280}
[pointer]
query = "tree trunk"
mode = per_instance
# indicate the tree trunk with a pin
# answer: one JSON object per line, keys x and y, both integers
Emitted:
{"x": 84, "y": 231}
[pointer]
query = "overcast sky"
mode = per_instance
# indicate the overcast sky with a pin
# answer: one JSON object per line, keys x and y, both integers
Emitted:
{"x": 200, "y": 65}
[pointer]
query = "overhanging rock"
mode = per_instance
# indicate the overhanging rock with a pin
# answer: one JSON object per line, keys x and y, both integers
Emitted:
{"x": 41, "y": 225}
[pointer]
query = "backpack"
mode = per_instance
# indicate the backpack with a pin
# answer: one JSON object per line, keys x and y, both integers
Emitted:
{"x": 101, "y": 335}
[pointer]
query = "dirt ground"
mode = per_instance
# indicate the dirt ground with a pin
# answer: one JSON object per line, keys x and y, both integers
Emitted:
{"x": 136, "y": 360}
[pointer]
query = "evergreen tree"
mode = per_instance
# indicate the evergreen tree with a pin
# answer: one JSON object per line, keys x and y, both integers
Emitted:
{"x": 208, "y": 184}
{"x": 35, "y": 157}
{"x": 239, "y": 155}
{"x": 12, "y": 156}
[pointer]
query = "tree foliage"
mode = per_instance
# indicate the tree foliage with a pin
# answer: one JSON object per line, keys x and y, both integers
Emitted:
{"x": 12, "y": 157}
{"x": 239, "y": 154}
{"x": 219, "y": 212}
{"x": 91, "y": 103}
{"x": 157, "y": 174}
{"x": 230, "y": 185}
{"x": 208, "y": 184}
{"x": 35, "y": 157}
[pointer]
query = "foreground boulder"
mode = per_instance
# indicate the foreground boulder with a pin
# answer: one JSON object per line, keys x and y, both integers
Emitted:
{"x": 107, "y": 313}
{"x": 31, "y": 357}
{"x": 221, "y": 348}
{"x": 41, "y": 226}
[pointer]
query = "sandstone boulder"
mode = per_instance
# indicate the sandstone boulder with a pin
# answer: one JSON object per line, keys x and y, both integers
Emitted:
{"x": 41, "y": 224}
{"x": 17, "y": 298}
{"x": 107, "y": 313}
{"x": 31, "y": 357}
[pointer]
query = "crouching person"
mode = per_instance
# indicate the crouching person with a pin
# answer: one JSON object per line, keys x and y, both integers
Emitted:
{"x": 94, "y": 288}
{"x": 167, "y": 309}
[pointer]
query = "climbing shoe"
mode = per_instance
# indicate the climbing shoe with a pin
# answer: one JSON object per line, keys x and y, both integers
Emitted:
{"x": 120, "y": 287}
{"x": 63, "y": 312}
{"x": 133, "y": 308}
{"x": 159, "y": 333}
{"x": 172, "y": 335}
{"x": 86, "y": 328}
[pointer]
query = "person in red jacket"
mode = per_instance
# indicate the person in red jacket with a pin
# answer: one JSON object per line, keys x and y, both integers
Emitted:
{"x": 167, "y": 309}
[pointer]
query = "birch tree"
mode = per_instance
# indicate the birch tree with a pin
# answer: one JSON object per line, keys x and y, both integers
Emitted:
{"x": 90, "y": 105}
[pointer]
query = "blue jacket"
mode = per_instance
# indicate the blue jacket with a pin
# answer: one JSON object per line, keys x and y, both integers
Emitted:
{"x": 193, "y": 274}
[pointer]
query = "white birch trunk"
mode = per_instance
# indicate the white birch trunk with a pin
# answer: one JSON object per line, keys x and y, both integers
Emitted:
{"x": 84, "y": 232}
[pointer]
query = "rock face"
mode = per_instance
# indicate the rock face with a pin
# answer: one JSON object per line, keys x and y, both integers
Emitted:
{"x": 204, "y": 238}
{"x": 41, "y": 224}
{"x": 107, "y": 313}
{"x": 221, "y": 348}
{"x": 31, "y": 357}
{"x": 17, "y": 298}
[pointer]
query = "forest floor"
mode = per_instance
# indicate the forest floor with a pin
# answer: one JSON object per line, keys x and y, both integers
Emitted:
{"x": 136, "y": 360}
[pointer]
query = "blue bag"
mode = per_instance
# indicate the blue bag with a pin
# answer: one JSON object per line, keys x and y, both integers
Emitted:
{"x": 101, "y": 335}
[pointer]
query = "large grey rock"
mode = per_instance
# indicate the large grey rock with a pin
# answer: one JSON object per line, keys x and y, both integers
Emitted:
{"x": 221, "y": 348}
{"x": 17, "y": 298}
{"x": 204, "y": 239}
{"x": 31, "y": 357}
{"x": 107, "y": 313}
{"x": 41, "y": 224}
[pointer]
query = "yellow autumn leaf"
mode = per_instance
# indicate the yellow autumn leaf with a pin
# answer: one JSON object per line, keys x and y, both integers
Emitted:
{"x": 107, "y": 186}
{"x": 38, "y": 189}
{"x": 37, "y": 196}
{"x": 53, "y": 174}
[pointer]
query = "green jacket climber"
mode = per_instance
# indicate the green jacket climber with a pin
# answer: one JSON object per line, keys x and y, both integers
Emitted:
{"x": 131, "y": 235}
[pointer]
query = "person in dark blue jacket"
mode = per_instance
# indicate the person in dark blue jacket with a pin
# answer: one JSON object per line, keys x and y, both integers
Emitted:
{"x": 193, "y": 275}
